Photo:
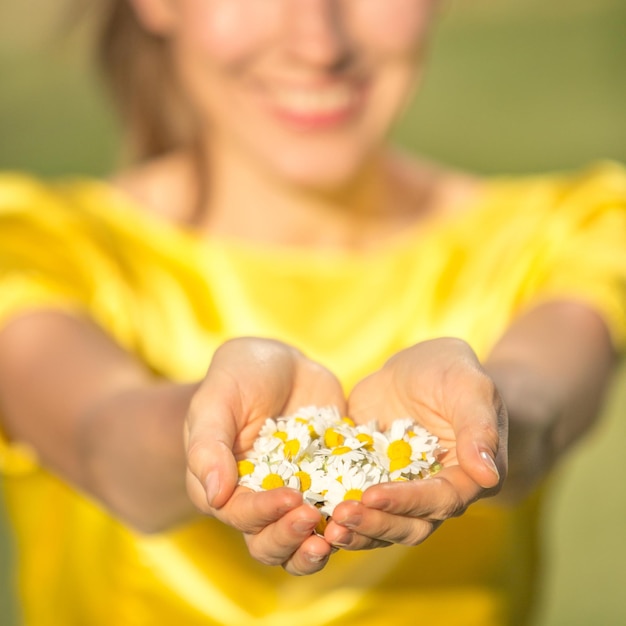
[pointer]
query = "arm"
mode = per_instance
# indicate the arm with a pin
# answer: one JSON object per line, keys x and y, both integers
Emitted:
{"x": 101, "y": 421}
{"x": 552, "y": 368}
{"x": 547, "y": 373}
{"x": 96, "y": 416}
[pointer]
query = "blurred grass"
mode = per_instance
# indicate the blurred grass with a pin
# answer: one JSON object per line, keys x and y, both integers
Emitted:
{"x": 513, "y": 86}
{"x": 517, "y": 91}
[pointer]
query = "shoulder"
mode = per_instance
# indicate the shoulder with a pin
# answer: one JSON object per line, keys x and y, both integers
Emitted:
{"x": 19, "y": 188}
{"x": 575, "y": 198}
{"x": 530, "y": 201}
{"x": 452, "y": 192}
{"x": 597, "y": 179}
{"x": 513, "y": 216}
{"x": 597, "y": 183}
{"x": 31, "y": 204}
{"x": 65, "y": 204}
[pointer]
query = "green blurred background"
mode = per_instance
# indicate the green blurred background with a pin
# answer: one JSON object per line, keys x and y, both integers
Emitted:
{"x": 514, "y": 86}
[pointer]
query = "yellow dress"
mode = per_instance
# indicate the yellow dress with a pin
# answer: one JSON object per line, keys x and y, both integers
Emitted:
{"x": 171, "y": 298}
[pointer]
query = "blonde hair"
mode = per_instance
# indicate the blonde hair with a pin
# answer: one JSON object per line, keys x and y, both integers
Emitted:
{"x": 137, "y": 68}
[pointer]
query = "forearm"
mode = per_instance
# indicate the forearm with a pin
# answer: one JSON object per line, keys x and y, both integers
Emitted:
{"x": 132, "y": 453}
{"x": 96, "y": 416}
{"x": 551, "y": 369}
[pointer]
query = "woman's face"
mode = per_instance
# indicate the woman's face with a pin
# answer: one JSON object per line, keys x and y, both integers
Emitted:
{"x": 306, "y": 89}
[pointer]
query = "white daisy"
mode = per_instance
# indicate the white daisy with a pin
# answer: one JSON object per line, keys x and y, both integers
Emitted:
{"x": 312, "y": 476}
{"x": 406, "y": 450}
{"x": 350, "y": 450}
{"x": 271, "y": 476}
{"x": 329, "y": 458}
{"x": 349, "y": 484}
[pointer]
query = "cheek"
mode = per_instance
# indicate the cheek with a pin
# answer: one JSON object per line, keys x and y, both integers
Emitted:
{"x": 226, "y": 31}
{"x": 393, "y": 26}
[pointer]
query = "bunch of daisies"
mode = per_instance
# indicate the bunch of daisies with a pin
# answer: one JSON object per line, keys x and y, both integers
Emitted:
{"x": 329, "y": 458}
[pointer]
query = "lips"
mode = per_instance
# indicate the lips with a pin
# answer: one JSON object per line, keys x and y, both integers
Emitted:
{"x": 316, "y": 106}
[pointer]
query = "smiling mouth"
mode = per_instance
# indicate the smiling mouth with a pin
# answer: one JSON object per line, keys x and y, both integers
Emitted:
{"x": 317, "y": 106}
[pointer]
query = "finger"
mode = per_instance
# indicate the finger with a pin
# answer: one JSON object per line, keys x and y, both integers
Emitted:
{"x": 312, "y": 556}
{"x": 251, "y": 512}
{"x": 367, "y": 528}
{"x": 197, "y": 493}
{"x": 448, "y": 494}
{"x": 481, "y": 438}
{"x": 210, "y": 459}
{"x": 275, "y": 543}
{"x": 225, "y": 416}
{"x": 346, "y": 539}
{"x": 217, "y": 425}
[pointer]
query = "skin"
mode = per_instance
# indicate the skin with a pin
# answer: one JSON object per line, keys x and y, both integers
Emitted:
{"x": 100, "y": 420}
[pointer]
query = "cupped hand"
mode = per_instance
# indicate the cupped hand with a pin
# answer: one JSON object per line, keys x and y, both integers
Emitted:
{"x": 441, "y": 384}
{"x": 249, "y": 380}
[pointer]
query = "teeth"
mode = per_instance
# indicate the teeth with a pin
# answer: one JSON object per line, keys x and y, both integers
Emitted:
{"x": 320, "y": 101}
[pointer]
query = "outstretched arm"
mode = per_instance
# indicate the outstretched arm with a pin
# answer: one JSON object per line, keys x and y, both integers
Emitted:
{"x": 99, "y": 419}
{"x": 552, "y": 368}
{"x": 544, "y": 379}
{"x": 96, "y": 416}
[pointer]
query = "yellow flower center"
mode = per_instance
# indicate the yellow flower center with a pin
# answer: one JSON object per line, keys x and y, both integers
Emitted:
{"x": 399, "y": 449}
{"x": 348, "y": 421}
{"x": 399, "y": 463}
{"x": 305, "y": 480}
{"x": 272, "y": 481}
{"x": 341, "y": 450}
{"x": 353, "y": 494}
{"x": 281, "y": 434}
{"x": 291, "y": 448}
{"x": 368, "y": 440}
{"x": 245, "y": 467}
{"x": 332, "y": 438}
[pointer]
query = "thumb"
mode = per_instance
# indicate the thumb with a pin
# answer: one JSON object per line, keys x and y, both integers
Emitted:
{"x": 481, "y": 445}
{"x": 211, "y": 466}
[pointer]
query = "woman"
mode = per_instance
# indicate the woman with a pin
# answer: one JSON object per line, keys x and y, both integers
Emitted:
{"x": 267, "y": 231}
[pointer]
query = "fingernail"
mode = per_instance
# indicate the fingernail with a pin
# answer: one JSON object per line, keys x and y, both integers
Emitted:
{"x": 212, "y": 487}
{"x": 489, "y": 462}
{"x": 351, "y": 521}
{"x": 381, "y": 505}
{"x": 316, "y": 558}
{"x": 344, "y": 540}
{"x": 304, "y": 525}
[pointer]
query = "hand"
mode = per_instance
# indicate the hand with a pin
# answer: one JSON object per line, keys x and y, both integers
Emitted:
{"x": 248, "y": 381}
{"x": 440, "y": 384}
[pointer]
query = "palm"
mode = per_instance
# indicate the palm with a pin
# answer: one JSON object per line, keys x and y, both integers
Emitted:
{"x": 410, "y": 385}
{"x": 441, "y": 384}
{"x": 277, "y": 392}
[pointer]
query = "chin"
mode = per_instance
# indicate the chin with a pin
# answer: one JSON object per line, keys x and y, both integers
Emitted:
{"x": 323, "y": 172}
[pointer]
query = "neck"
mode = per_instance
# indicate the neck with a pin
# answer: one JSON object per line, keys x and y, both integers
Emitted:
{"x": 237, "y": 201}
{"x": 245, "y": 203}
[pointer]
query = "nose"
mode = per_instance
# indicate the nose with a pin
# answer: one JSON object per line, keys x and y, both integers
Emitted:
{"x": 316, "y": 33}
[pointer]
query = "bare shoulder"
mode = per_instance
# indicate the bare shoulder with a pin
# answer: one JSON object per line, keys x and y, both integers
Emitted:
{"x": 163, "y": 186}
